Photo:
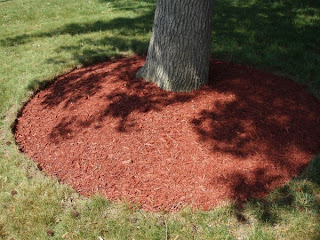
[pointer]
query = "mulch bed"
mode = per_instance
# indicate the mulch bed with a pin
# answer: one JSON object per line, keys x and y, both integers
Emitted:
{"x": 101, "y": 130}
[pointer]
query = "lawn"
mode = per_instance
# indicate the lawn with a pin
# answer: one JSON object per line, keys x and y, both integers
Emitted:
{"x": 40, "y": 40}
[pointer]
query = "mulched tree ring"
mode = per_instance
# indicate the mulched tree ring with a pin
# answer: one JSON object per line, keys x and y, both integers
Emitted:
{"x": 101, "y": 130}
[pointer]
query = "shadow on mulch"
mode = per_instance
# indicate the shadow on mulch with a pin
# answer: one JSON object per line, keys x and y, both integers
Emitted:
{"x": 102, "y": 130}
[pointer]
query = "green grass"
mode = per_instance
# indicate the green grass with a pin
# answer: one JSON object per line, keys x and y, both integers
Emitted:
{"x": 42, "y": 39}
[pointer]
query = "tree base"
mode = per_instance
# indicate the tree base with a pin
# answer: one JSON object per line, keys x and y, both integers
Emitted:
{"x": 179, "y": 49}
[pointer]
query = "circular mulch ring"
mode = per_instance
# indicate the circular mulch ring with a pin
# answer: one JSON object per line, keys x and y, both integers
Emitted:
{"x": 101, "y": 130}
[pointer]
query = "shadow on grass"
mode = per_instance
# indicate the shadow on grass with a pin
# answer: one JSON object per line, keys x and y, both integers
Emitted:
{"x": 124, "y": 26}
{"x": 274, "y": 35}
{"x": 300, "y": 195}
{"x": 89, "y": 56}
{"x": 278, "y": 35}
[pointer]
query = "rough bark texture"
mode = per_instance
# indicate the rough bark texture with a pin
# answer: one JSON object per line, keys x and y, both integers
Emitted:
{"x": 179, "y": 49}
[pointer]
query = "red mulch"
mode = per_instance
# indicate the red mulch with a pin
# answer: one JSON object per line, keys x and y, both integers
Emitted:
{"x": 101, "y": 130}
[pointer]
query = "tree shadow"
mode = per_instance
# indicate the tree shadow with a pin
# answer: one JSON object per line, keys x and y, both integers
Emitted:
{"x": 258, "y": 32}
{"x": 297, "y": 195}
{"x": 131, "y": 95}
{"x": 88, "y": 55}
{"x": 124, "y": 26}
{"x": 273, "y": 112}
{"x": 268, "y": 34}
{"x": 248, "y": 115}
{"x": 266, "y": 119}
{"x": 255, "y": 24}
{"x": 264, "y": 33}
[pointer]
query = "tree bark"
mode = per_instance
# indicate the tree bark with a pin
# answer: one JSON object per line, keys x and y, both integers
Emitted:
{"x": 179, "y": 49}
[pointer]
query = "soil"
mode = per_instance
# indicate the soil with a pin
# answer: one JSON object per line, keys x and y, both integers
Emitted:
{"x": 101, "y": 130}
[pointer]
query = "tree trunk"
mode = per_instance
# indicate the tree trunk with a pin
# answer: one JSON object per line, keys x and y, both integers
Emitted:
{"x": 179, "y": 49}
